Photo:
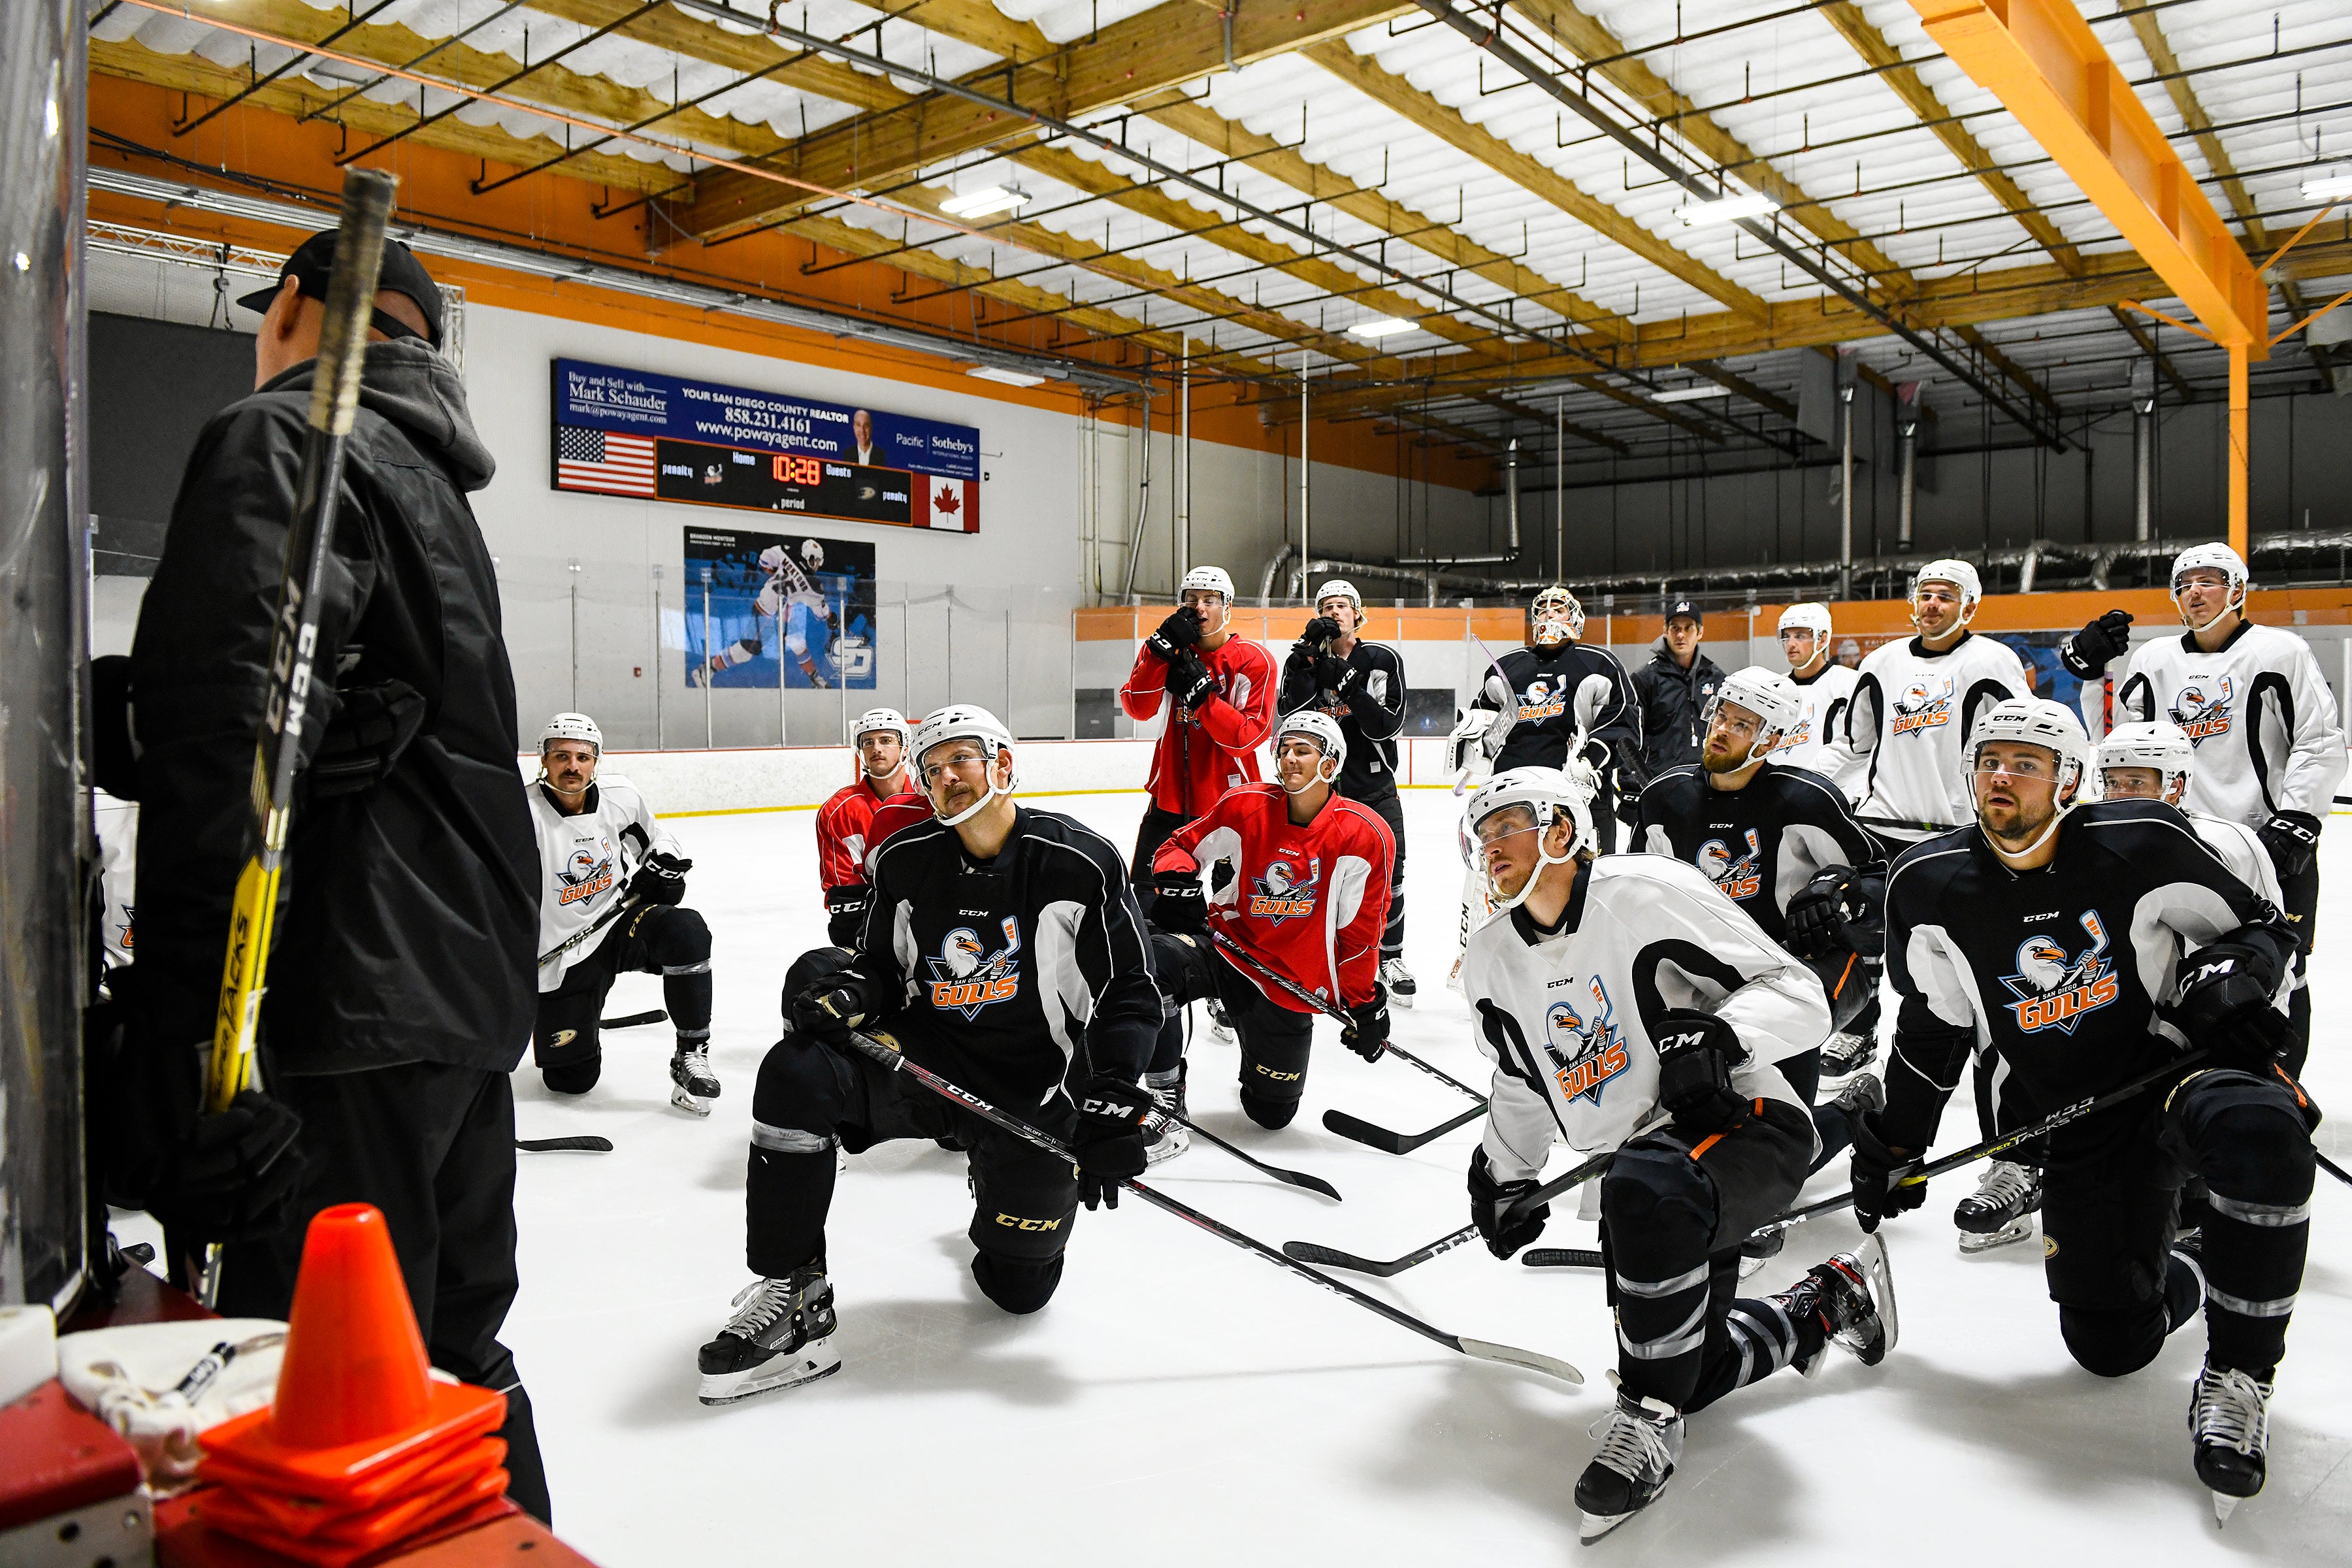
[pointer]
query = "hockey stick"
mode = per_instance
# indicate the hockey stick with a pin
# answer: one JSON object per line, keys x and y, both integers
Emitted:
{"x": 1295, "y": 1178}
{"x": 635, "y": 1020}
{"x": 1561, "y": 1258}
{"x": 1332, "y": 1258}
{"x": 576, "y": 938}
{"x": 1919, "y": 1175}
{"x": 2331, "y": 1167}
{"x": 590, "y": 1144}
{"x": 294, "y": 637}
{"x": 1908, "y": 825}
{"x": 1235, "y": 950}
{"x": 1389, "y": 1142}
{"x": 878, "y": 1046}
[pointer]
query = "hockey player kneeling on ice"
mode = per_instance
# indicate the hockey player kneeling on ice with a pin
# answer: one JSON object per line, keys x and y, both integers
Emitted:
{"x": 1610, "y": 991}
{"x": 2089, "y": 945}
{"x": 1003, "y": 950}
{"x": 599, "y": 846}
{"x": 1297, "y": 876}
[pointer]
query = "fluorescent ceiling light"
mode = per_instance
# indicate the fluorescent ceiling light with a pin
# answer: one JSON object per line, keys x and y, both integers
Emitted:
{"x": 984, "y": 201}
{"x": 1382, "y": 327}
{"x": 1689, "y": 393}
{"x": 2327, "y": 188}
{"x": 1728, "y": 210}
{"x": 1009, "y": 377}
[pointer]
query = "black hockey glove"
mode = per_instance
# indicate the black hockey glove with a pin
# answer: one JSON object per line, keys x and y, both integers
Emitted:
{"x": 1367, "y": 1033}
{"x": 2293, "y": 839}
{"x": 1177, "y": 633}
{"x": 1491, "y": 1206}
{"x": 1874, "y": 1168}
{"x": 845, "y": 913}
{"x": 1177, "y": 904}
{"x": 1696, "y": 1052}
{"x": 2225, "y": 1006}
{"x": 1837, "y": 911}
{"x": 1322, "y": 629}
{"x": 372, "y": 727}
{"x": 2088, "y": 652}
{"x": 1190, "y": 683}
{"x": 1112, "y": 1115}
{"x": 661, "y": 879}
{"x": 830, "y": 1006}
{"x": 235, "y": 1178}
{"x": 1334, "y": 675}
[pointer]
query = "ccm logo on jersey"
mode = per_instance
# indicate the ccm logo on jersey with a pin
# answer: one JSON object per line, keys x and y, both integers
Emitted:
{"x": 2054, "y": 988}
{"x": 2202, "y": 706}
{"x": 586, "y": 877}
{"x": 1586, "y": 1052}
{"x": 1924, "y": 704}
{"x": 1282, "y": 894}
{"x": 1542, "y": 701}
{"x": 967, "y": 977}
{"x": 1738, "y": 877}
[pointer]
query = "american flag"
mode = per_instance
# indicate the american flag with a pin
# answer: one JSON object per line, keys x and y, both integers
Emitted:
{"x": 599, "y": 460}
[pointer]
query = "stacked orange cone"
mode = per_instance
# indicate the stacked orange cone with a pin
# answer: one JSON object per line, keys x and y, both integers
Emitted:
{"x": 362, "y": 1450}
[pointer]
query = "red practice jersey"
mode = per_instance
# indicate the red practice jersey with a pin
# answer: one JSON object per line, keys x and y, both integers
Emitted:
{"x": 901, "y": 810}
{"x": 846, "y": 835}
{"x": 1308, "y": 903}
{"x": 1208, "y": 750}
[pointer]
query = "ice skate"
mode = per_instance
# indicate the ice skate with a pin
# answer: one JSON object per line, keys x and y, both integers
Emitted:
{"x": 780, "y": 1337}
{"x": 693, "y": 1087}
{"x": 2001, "y": 1209}
{"x": 1641, "y": 1443}
{"x": 1759, "y": 1249}
{"x": 1220, "y": 1024}
{"x": 1167, "y": 1091}
{"x": 2229, "y": 1422}
{"x": 1852, "y": 1295}
{"x": 1400, "y": 982}
{"x": 1844, "y": 1053}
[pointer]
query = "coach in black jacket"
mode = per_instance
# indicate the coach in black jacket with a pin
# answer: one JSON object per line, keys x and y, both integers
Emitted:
{"x": 1674, "y": 687}
{"x": 401, "y": 986}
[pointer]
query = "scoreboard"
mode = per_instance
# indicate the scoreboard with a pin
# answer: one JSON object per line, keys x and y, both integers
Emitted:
{"x": 695, "y": 473}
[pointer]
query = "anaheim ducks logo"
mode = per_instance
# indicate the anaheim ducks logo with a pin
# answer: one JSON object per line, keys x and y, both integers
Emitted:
{"x": 1586, "y": 1049}
{"x": 1924, "y": 704}
{"x": 1740, "y": 875}
{"x": 1542, "y": 700}
{"x": 2054, "y": 989}
{"x": 1282, "y": 894}
{"x": 967, "y": 977}
{"x": 588, "y": 873}
{"x": 2202, "y": 706}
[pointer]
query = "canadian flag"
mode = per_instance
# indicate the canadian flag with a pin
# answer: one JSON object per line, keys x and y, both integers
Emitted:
{"x": 950, "y": 504}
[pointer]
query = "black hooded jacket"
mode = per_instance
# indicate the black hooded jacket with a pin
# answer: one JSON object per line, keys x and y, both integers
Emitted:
{"x": 406, "y": 913}
{"x": 1674, "y": 704}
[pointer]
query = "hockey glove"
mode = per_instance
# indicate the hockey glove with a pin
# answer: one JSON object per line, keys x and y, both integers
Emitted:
{"x": 829, "y": 1008}
{"x": 2088, "y": 652}
{"x": 1177, "y": 633}
{"x": 1108, "y": 1144}
{"x": 371, "y": 726}
{"x": 1696, "y": 1052}
{"x": 1835, "y": 912}
{"x": 2293, "y": 839}
{"x": 1178, "y": 905}
{"x": 1322, "y": 629}
{"x": 1190, "y": 684}
{"x": 1874, "y": 1168}
{"x": 845, "y": 913}
{"x": 661, "y": 879}
{"x": 1334, "y": 675}
{"x": 2225, "y": 1006}
{"x": 1367, "y": 1033}
{"x": 1491, "y": 1206}
{"x": 235, "y": 1178}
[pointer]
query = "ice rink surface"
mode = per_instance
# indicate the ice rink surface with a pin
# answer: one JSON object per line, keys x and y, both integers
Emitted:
{"x": 1182, "y": 1401}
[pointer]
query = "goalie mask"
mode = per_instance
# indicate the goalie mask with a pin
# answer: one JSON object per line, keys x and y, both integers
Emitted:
{"x": 1554, "y": 618}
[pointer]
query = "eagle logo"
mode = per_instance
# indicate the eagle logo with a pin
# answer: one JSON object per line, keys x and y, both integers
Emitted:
{"x": 1586, "y": 1048}
{"x": 1739, "y": 876}
{"x": 1542, "y": 701}
{"x": 1924, "y": 704}
{"x": 1280, "y": 893}
{"x": 966, "y": 977}
{"x": 2054, "y": 988}
{"x": 2202, "y": 706}
{"x": 587, "y": 873}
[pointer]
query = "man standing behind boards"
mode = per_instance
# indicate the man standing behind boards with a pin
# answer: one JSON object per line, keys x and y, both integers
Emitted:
{"x": 1674, "y": 689}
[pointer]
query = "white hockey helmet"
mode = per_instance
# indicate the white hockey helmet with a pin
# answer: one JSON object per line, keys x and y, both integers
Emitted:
{"x": 2163, "y": 746}
{"x": 1207, "y": 580}
{"x": 961, "y": 722}
{"x": 1554, "y": 617}
{"x": 812, "y": 553}
{"x": 1324, "y": 731}
{"x": 1340, "y": 588}
{"x": 1812, "y": 617}
{"x": 1551, "y": 795}
{"x": 572, "y": 727}
{"x": 1960, "y": 575}
{"x": 2038, "y": 721}
{"x": 772, "y": 559}
{"x": 2210, "y": 558}
{"x": 889, "y": 719}
{"x": 1768, "y": 694}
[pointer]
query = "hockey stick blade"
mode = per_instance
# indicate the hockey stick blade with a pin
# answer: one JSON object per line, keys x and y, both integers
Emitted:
{"x": 633, "y": 1020}
{"x": 1389, "y": 1142}
{"x": 590, "y": 1144}
{"x": 1533, "y": 1360}
{"x": 1292, "y": 1178}
{"x": 1561, "y": 1258}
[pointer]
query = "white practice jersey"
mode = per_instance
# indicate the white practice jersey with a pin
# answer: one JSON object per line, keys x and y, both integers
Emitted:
{"x": 1908, "y": 723}
{"x": 1566, "y": 1014}
{"x": 585, "y": 863}
{"x": 1811, "y": 742}
{"x": 117, "y": 862}
{"x": 2258, "y": 712}
{"x": 2240, "y": 851}
{"x": 791, "y": 584}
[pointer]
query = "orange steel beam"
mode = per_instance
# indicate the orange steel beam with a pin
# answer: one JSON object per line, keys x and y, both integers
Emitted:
{"x": 2051, "y": 73}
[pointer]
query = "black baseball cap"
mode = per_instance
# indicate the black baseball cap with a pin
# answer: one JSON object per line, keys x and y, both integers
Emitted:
{"x": 1684, "y": 607}
{"x": 314, "y": 260}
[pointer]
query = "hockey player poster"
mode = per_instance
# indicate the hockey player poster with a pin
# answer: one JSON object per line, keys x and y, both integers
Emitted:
{"x": 789, "y": 603}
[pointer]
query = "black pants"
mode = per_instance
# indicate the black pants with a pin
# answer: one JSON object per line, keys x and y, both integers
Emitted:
{"x": 2107, "y": 1210}
{"x": 1157, "y": 826}
{"x": 2001, "y": 1109}
{"x": 811, "y": 1097}
{"x": 1275, "y": 1040}
{"x": 1829, "y": 1123}
{"x": 2300, "y": 893}
{"x": 654, "y": 939}
{"x": 1392, "y": 810}
{"x": 433, "y": 1147}
{"x": 1674, "y": 1210}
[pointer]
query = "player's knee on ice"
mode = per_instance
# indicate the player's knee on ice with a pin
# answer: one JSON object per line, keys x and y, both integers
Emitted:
{"x": 565, "y": 1042}
{"x": 2113, "y": 1342}
{"x": 576, "y": 1075}
{"x": 1273, "y": 1071}
{"x": 1018, "y": 1286}
{"x": 1024, "y": 1202}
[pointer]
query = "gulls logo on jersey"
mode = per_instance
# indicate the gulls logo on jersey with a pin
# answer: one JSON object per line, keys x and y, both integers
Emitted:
{"x": 1541, "y": 700}
{"x": 588, "y": 873}
{"x": 1282, "y": 894}
{"x": 2054, "y": 988}
{"x": 1924, "y": 704}
{"x": 2202, "y": 706}
{"x": 1586, "y": 1050}
{"x": 1738, "y": 877}
{"x": 967, "y": 977}
{"x": 1799, "y": 733}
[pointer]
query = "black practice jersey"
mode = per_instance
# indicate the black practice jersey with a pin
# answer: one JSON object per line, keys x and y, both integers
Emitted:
{"x": 1559, "y": 690}
{"x": 1370, "y": 711}
{"x": 1760, "y": 845}
{"x": 2060, "y": 970}
{"x": 1027, "y": 960}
